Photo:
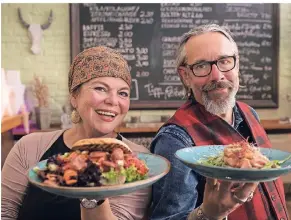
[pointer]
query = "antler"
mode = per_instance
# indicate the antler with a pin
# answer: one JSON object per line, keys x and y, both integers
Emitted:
{"x": 24, "y": 23}
{"x": 50, "y": 20}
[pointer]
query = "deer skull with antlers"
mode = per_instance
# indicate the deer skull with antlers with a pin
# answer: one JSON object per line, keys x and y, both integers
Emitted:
{"x": 35, "y": 31}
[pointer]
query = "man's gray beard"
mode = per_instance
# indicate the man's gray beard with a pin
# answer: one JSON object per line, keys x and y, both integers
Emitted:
{"x": 219, "y": 106}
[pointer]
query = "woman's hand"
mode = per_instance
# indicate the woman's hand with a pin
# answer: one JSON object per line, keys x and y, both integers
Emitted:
{"x": 223, "y": 197}
{"x": 100, "y": 212}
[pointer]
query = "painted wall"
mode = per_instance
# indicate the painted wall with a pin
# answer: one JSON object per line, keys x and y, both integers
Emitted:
{"x": 53, "y": 63}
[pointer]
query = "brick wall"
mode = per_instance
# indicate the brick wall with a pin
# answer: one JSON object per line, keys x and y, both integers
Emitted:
{"x": 53, "y": 63}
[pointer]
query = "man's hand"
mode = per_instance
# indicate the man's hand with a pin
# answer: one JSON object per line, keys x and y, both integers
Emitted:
{"x": 223, "y": 197}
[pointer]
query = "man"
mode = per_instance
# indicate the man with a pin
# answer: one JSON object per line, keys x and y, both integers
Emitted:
{"x": 208, "y": 65}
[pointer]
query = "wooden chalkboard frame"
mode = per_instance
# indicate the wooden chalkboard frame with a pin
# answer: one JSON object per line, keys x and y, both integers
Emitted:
{"x": 158, "y": 104}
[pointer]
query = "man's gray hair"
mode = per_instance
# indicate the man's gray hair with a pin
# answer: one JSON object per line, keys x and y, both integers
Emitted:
{"x": 202, "y": 29}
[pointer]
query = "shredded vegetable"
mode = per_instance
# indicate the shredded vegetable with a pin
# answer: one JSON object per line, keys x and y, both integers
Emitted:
{"x": 214, "y": 161}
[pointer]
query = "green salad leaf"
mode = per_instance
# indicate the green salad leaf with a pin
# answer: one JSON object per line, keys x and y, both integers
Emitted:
{"x": 129, "y": 173}
{"x": 113, "y": 176}
{"x": 214, "y": 161}
{"x": 272, "y": 164}
{"x": 133, "y": 175}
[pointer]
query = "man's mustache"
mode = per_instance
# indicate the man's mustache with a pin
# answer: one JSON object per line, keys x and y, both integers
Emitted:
{"x": 217, "y": 85}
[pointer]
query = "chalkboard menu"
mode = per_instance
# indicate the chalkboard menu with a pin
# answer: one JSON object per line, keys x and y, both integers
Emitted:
{"x": 147, "y": 35}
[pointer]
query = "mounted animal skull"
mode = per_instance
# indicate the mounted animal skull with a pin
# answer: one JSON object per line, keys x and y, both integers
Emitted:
{"x": 35, "y": 31}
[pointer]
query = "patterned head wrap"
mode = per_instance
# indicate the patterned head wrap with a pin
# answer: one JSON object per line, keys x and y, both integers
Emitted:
{"x": 97, "y": 62}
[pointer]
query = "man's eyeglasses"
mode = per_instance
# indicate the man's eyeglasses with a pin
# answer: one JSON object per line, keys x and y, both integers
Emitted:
{"x": 204, "y": 68}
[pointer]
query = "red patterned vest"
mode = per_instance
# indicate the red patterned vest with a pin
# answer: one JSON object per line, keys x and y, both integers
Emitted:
{"x": 208, "y": 129}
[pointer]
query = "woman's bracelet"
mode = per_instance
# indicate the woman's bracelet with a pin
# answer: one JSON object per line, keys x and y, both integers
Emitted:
{"x": 198, "y": 214}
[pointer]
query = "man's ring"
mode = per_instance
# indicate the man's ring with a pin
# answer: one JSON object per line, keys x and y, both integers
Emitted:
{"x": 241, "y": 201}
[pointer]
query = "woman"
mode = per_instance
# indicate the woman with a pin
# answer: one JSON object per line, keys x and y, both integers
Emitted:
{"x": 99, "y": 86}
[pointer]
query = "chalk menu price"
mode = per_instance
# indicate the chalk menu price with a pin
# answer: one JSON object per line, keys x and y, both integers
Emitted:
{"x": 147, "y": 35}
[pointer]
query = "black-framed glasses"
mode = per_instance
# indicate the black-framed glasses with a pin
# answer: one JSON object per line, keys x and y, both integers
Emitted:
{"x": 204, "y": 68}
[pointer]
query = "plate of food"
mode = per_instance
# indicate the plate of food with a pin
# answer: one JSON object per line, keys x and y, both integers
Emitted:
{"x": 98, "y": 168}
{"x": 240, "y": 162}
